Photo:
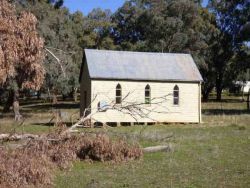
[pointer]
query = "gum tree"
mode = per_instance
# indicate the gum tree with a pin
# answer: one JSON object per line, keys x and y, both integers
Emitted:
{"x": 21, "y": 52}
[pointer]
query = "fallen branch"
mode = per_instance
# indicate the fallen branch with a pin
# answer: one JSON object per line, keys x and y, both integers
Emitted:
{"x": 16, "y": 137}
{"x": 77, "y": 124}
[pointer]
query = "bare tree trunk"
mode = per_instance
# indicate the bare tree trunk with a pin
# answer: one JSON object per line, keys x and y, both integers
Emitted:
{"x": 205, "y": 92}
{"x": 242, "y": 94}
{"x": 64, "y": 97}
{"x": 75, "y": 94}
{"x": 16, "y": 107}
{"x": 38, "y": 95}
{"x": 218, "y": 94}
{"x": 219, "y": 87}
{"x": 54, "y": 100}
{"x": 9, "y": 102}
{"x": 248, "y": 100}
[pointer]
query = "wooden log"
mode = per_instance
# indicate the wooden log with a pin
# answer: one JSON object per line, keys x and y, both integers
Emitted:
{"x": 165, "y": 148}
{"x": 15, "y": 137}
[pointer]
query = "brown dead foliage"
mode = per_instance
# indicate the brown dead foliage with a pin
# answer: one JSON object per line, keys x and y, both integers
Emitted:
{"x": 103, "y": 149}
{"x": 19, "y": 169}
{"x": 33, "y": 164}
{"x": 21, "y": 49}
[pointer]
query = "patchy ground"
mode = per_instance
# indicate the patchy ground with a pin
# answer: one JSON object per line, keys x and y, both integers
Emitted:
{"x": 202, "y": 157}
{"x": 212, "y": 154}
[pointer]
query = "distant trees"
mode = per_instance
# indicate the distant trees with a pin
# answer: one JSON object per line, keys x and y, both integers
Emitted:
{"x": 99, "y": 27}
{"x": 174, "y": 26}
{"x": 232, "y": 19}
{"x": 127, "y": 32}
{"x": 63, "y": 54}
{"x": 66, "y": 35}
{"x": 21, "y": 52}
{"x": 208, "y": 27}
{"x": 216, "y": 37}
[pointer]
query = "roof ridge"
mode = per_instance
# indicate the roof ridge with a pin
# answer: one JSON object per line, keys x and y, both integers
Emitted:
{"x": 137, "y": 52}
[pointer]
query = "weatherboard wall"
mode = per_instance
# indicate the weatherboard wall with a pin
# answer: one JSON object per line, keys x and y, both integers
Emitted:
{"x": 188, "y": 109}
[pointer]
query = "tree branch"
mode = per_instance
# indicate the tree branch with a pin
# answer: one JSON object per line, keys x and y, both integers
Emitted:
{"x": 58, "y": 61}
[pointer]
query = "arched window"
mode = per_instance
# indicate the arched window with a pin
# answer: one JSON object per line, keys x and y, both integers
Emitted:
{"x": 147, "y": 95}
{"x": 176, "y": 95}
{"x": 118, "y": 94}
{"x": 98, "y": 106}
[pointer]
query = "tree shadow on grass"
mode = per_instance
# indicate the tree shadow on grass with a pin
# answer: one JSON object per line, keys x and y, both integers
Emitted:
{"x": 225, "y": 111}
{"x": 11, "y": 116}
{"x": 224, "y": 101}
{"x": 52, "y": 124}
{"x": 46, "y": 107}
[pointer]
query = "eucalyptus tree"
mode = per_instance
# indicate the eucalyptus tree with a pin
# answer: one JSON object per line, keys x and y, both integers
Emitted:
{"x": 21, "y": 52}
{"x": 63, "y": 53}
{"x": 232, "y": 20}
{"x": 97, "y": 30}
{"x": 127, "y": 31}
{"x": 181, "y": 26}
{"x": 208, "y": 27}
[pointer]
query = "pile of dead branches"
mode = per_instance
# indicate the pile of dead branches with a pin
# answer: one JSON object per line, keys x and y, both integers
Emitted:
{"x": 33, "y": 163}
{"x": 103, "y": 149}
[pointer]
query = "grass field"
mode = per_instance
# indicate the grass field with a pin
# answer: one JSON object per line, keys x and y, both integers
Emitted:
{"x": 215, "y": 153}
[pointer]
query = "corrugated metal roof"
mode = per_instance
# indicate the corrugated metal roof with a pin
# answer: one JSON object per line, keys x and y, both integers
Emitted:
{"x": 105, "y": 64}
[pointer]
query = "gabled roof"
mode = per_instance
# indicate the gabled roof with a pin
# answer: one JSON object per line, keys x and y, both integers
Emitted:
{"x": 124, "y": 65}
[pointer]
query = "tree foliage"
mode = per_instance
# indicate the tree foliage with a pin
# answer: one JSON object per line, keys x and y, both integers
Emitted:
{"x": 215, "y": 37}
{"x": 21, "y": 49}
{"x": 66, "y": 35}
{"x": 56, "y": 27}
{"x": 232, "y": 17}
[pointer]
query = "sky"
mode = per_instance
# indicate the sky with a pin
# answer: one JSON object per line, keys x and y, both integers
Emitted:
{"x": 86, "y": 6}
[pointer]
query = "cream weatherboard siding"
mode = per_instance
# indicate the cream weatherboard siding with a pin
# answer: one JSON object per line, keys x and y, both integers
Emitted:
{"x": 188, "y": 109}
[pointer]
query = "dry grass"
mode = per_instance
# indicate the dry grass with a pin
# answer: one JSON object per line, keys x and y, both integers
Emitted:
{"x": 224, "y": 113}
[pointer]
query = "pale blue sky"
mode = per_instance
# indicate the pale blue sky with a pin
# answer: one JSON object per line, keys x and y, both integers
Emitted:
{"x": 86, "y": 6}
